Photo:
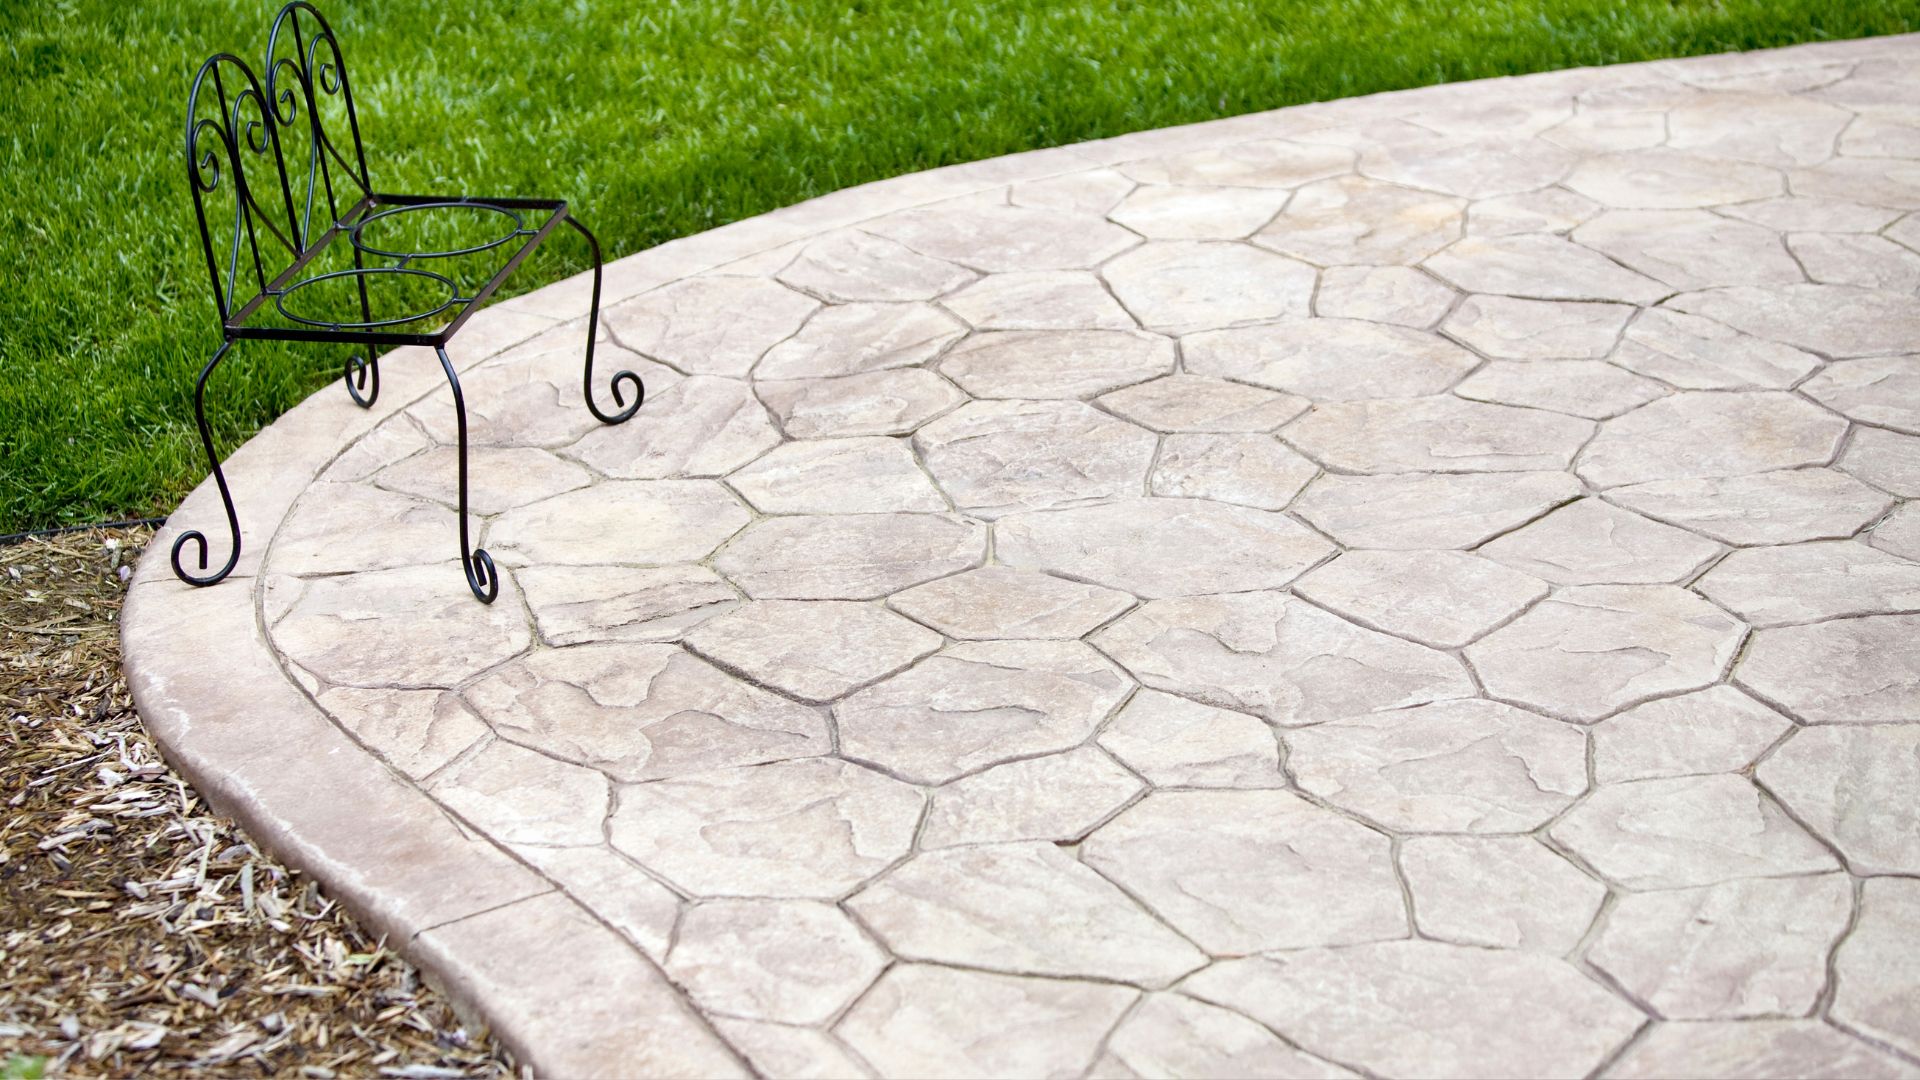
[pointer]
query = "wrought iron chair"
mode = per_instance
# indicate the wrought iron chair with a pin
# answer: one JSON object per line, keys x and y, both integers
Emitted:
{"x": 285, "y": 223}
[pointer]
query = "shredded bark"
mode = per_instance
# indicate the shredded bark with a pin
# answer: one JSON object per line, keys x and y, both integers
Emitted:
{"x": 141, "y": 933}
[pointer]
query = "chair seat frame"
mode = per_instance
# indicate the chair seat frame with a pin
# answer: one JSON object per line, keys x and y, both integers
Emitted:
{"x": 254, "y": 126}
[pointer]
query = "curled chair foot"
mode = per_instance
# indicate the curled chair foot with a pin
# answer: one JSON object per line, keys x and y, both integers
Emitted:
{"x": 363, "y": 379}
{"x": 624, "y": 411}
{"x": 482, "y": 578}
{"x": 194, "y": 536}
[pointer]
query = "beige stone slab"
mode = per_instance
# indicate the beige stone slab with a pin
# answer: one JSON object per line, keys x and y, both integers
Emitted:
{"x": 1511, "y": 329}
{"x": 1414, "y": 510}
{"x": 1058, "y": 797}
{"x": 850, "y": 339}
{"x": 812, "y": 649}
{"x": 1687, "y": 831}
{"x": 876, "y": 403}
{"x": 710, "y": 325}
{"x": 1174, "y": 1035}
{"x": 1883, "y": 391}
{"x": 1259, "y": 163}
{"x": 1176, "y": 742}
{"x": 1899, "y": 533}
{"x": 1194, "y": 403}
{"x": 575, "y": 605}
{"x": 1802, "y": 583}
{"x": 1280, "y": 658}
{"x": 1837, "y": 320}
{"x": 641, "y": 711}
{"x": 1590, "y": 650}
{"x": 499, "y": 478}
{"x": 1668, "y": 179}
{"x": 980, "y": 703}
{"x": 1718, "y": 729}
{"x": 614, "y": 889}
{"x": 1853, "y": 259}
{"x": 1554, "y": 209}
{"x": 863, "y": 475}
{"x": 997, "y": 237}
{"x": 1502, "y": 892}
{"x": 1181, "y": 286}
{"x": 1590, "y": 542}
{"x": 1330, "y": 359}
{"x": 851, "y": 266}
{"x": 336, "y": 528}
{"x": 1848, "y": 671}
{"x": 1397, "y": 295}
{"x": 1355, "y": 220}
{"x": 1761, "y": 1049}
{"x": 925, "y": 1020}
{"x": 1246, "y": 470}
{"x": 791, "y": 961}
{"x": 1056, "y": 364}
{"x": 415, "y": 731}
{"x": 564, "y": 992}
{"x": 1878, "y": 984}
{"x": 1692, "y": 249}
{"x": 636, "y": 522}
{"x": 1586, "y": 388}
{"x": 1001, "y": 602}
{"x": 1694, "y": 353}
{"x": 811, "y": 829}
{"x": 431, "y": 633}
{"x": 1784, "y": 507}
{"x": 1439, "y": 598}
{"x": 1845, "y": 783}
{"x": 1707, "y": 436}
{"x": 784, "y": 1050}
{"x": 1435, "y": 434}
{"x": 1191, "y": 212}
{"x": 1417, "y": 1007}
{"x": 849, "y": 556}
{"x": 1040, "y": 300}
{"x": 1247, "y": 871}
{"x": 518, "y": 796}
{"x": 1002, "y": 457}
{"x": 1022, "y": 909}
{"x": 1541, "y": 267}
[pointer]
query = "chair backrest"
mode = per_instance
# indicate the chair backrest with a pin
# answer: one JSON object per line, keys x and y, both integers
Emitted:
{"x": 272, "y": 161}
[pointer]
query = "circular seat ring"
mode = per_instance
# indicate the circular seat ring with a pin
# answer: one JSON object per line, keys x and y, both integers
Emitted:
{"x": 519, "y": 229}
{"x": 453, "y": 297}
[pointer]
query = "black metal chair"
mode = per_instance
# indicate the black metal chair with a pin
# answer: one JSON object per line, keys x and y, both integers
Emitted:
{"x": 286, "y": 224}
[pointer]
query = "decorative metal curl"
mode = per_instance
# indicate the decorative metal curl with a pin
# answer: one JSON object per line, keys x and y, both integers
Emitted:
{"x": 620, "y": 378}
{"x": 482, "y": 578}
{"x": 195, "y": 536}
{"x": 360, "y": 371}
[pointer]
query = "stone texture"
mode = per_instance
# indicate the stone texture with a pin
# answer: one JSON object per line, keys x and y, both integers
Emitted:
{"x": 1541, "y": 267}
{"x": 1767, "y": 129}
{"x": 341, "y": 528}
{"x": 1837, "y": 320}
{"x": 1192, "y": 403}
{"x": 1849, "y": 785}
{"x": 1867, "y": 261}
{"x": 608, "y": 883}
{"x": 1025, "y": 909}
{"x": 1399, "y": 295}
{"x": 928, "y": 1021}
{"x": 1056, "y": 363}
{"x": 1174, "y": 1035}
{"x": 416, "y": 731}
{"x": 1060, "y": 797}
{"x": 1738, "y": 949}
{"x": 1260, "y": 163}
{"x": 573, "y": 605}
{"x": 1849, "y": 671}
{"x": 1783, "y": 507}
{"x": 1879, "y": 978}
{"x": 1437, "y": 510}
{"x": 1247, "y": 470}
{"x": 1883, "y": 391}
{"x": 786, "y": 1051}
{"x": 1718, "y": 729}
{"x": 1246, "y": 871}
{"x": 1899, "y": 533}
{"x": 796, "y": 961}
{"x": 1760, "y": 1049}
{"x": 1802, "y": 583}
{"x": 1041, "y": 300}
{"x": 499, "y": 478}
{"x": 1356, "y": 220}
{"x": 801, "y": 829}
{"x": 1886, "y": 459}
{"x": 1000, "y": 457}
{"x": 519, "y": 797}
{"x": 1587, "y": 388}
{"x": 1548, "y": 210}
{"x": 1432, "y": 434}
{"x": 1665, "y": 179}
{"x": 1439, "y": 598}
{"x": 1685, "y": 831}
{"x": 1417, "y": 1008}
{"x": 1703, "y": 436}
{"x": 852, "y": 339}
{"x": 977, "y": 704}
{"x": 1188, "y": 212}
{"x": 627, "y": 521}
{"x": 1511, "y": 329}
{"x": 1699, "y": 354}
{"x": 699, "y": 426}
{"x": 1501, "y": 892}
{"x": 1331, "y": 359}
{"x": 999, "y": 602}
{"x": 876, "y": 403}
{"x": 431, "y": 631}
{"x": 710, "y": 325}
{"x": 1277, "y": 657}
{"x": 641, "y": 712}
{"x": 812, "y": 649}
{"x": 849, "y": 556}
{"x": 1454, "y": 766}
{"x": 1163, "y": 546}
{"x": 1691, "y": 249}
{"x": 1591, "y": 542}
{"x": 1183, "y": 285}
{"x": 1589, "y": 650}
{"x": 852, "y": 266}
{"x": 1806, "y": 214}
{"x": 868, "y": 475}
{"x": 997, "y": 237}
{"x": 1174, "y": 742}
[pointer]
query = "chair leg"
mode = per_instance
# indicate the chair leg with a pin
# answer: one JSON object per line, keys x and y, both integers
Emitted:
{"x": 362, "y": 370}
{"x": 195, "y": 536}
{"x": 593, "y": 327}
{"x": 481, "y": 576}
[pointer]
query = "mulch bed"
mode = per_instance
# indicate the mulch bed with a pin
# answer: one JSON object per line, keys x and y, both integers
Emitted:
{"x": 140, "y": 933}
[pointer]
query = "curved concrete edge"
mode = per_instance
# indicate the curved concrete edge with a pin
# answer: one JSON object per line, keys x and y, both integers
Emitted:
{"x": 568, "y": 995}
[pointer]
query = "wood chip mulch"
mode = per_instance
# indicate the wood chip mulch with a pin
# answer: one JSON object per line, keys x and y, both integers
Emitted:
{"x": 140, "y": 933}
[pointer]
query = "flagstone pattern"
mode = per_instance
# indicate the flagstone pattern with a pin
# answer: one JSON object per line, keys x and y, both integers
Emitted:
{"x": 1419, "y": 585}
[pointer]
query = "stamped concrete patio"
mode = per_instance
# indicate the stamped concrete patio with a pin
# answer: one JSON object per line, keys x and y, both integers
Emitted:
{"x": 1417, "y": 585}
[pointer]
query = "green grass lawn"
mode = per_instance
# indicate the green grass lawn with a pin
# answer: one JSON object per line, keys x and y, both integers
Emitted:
{"x": 656, "y": 120}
